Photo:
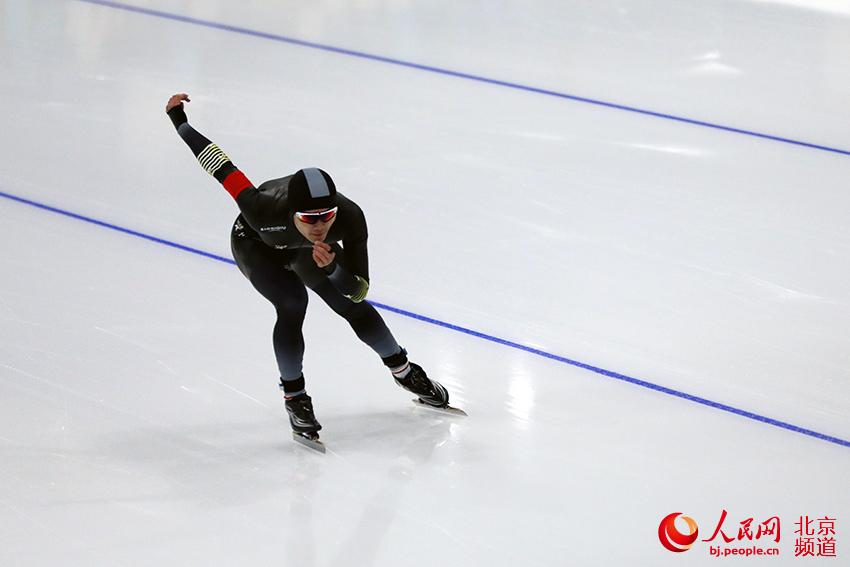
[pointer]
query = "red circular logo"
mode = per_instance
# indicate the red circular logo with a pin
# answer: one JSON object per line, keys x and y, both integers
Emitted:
{"x": 672, "y": 538}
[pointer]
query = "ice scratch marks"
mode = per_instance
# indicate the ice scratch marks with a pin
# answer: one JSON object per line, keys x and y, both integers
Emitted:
{"x": 125, "y": 339}
{"x": 23, "y": 515}
{"x": 232, "y": 389}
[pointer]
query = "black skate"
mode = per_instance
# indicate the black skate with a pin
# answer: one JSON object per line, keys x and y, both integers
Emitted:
{"x": 430, "y": 392}
{"x": 305, "y": 427}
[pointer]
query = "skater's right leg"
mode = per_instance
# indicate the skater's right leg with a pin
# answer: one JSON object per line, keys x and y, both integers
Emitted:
{"x": 267, "y": 271}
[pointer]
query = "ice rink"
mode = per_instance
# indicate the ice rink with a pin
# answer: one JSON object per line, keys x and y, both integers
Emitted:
{"x": 616, "y": 231}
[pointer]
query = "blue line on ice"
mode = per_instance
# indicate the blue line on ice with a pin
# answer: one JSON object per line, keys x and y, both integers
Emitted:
{"x": 459, "y": 74}
{"x": 504, "y": 342}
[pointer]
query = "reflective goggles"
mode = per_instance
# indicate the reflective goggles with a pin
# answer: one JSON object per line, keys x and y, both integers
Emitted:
{"x": 313, "y": 218}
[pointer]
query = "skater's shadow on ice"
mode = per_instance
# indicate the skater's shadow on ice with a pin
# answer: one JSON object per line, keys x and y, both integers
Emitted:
{"x": 256, "y": 458}
{"x": 413, "y": 433}
{"x": 250, "y": 459}
{"x": 407, "y": 440}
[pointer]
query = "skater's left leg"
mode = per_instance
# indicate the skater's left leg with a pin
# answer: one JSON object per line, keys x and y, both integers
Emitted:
{"x": 364, "y": 319}
{"x": 370, "y": 327}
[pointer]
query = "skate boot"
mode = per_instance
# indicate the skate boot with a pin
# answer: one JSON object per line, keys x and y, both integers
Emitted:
{"x": 301, "y": 416}
{"x": 430, "y": 392}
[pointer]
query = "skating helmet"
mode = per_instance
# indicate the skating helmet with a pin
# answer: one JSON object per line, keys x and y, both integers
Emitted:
{"x": 311, "y": 188}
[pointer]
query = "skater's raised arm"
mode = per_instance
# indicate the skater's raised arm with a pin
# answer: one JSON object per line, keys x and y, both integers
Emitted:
{"x": 209, "y": 155}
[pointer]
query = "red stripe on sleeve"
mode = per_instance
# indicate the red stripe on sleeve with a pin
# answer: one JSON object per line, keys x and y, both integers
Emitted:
{"x": 235, "y": 183}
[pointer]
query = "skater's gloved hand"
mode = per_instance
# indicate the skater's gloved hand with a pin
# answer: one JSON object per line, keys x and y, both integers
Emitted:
{"x": 176, "y": 100}
{"x": 351, "y": 286}
{"x": 322, "y": 254}
{"x": 174, "y": 109}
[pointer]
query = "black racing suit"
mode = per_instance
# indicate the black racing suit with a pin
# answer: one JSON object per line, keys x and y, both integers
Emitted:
{"x": 278, "y": 261}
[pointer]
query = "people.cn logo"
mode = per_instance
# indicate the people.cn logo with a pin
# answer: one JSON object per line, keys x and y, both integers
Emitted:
{"x": 672, "y": 538}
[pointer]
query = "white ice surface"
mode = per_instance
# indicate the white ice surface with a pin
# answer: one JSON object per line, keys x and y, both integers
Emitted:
{"x": 140, "y": 423}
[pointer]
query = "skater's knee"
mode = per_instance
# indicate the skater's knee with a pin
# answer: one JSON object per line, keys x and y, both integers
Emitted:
{"x": 361, "y": 315}
{"x": 290, "y": 306}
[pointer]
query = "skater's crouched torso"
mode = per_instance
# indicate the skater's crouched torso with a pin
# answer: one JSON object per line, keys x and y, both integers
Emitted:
{"x": 265, "y": 233}
{"x": 266, "y": 217}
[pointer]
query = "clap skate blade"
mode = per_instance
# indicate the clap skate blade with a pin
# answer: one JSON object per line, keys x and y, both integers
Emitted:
{"x": 446, "y": 409}
{"x": 309, "y": 439}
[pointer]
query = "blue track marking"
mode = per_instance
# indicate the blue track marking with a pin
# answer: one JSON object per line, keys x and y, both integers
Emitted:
{"x": 115, "y": 227}
{"x": 466, "y": 331}
{"x": 460, "y": 75}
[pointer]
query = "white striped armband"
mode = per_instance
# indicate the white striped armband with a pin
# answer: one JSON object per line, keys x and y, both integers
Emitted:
{"x": 212, "y": 158}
